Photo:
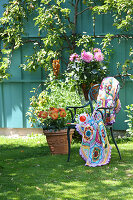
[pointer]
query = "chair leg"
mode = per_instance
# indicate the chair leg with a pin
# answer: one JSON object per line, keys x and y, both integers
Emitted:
{"x": 111, "y": 130}
{"x": 68, "y": 138}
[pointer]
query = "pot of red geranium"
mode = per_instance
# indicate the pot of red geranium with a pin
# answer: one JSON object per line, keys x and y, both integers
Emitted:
{"x": 47, "y": 110}
{"x": 54, "y": 123}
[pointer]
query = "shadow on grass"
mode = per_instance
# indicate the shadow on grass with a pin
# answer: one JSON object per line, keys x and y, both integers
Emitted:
{"x": 33, "y": 173}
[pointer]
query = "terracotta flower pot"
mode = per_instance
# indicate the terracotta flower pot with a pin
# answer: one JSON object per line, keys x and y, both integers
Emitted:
{"x": 57, "y": 141}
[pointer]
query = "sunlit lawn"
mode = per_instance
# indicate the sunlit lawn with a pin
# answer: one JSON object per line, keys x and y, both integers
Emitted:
{"x": 28, "y": 171}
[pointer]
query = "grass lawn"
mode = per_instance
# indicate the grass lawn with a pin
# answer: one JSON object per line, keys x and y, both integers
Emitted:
{"x": 29, "y": 172}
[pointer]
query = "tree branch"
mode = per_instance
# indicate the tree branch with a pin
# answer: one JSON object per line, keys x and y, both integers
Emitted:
{"x": 114, "y": 36}
{"x": 75, "y": 16}
{"x": 84, "y": 10}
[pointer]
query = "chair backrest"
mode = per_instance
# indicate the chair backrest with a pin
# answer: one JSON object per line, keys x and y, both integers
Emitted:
{"x": 92, "y": 95}
{"x": 99, "y": 91}
{"x": 106, "y": 97}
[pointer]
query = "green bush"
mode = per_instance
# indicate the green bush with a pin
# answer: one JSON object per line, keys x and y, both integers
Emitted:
{"x": 57, "y": 94}
{"x": 130, "y": 119}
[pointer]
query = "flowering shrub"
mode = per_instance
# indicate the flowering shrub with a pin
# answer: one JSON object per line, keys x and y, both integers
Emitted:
{"x": 88, "y": 67}
{"x": 47, "y": 108}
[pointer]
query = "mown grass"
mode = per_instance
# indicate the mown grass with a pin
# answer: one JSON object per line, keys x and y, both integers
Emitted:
{"x": 29, "y": 172}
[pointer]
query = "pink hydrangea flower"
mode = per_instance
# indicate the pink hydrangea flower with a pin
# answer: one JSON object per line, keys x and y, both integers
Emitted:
{"x": 87, "y": 56}
{"x": 96, "y": 50}
{"x": 99, "y": 56}
{"x": 73, "y": 57}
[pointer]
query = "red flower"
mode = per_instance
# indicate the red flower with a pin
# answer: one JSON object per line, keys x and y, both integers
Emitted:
{"x": 54, "y": 115}
{"x": 43, "y": 114}
{"x": 63, "y": 113}
{"x": 40, "y": 114}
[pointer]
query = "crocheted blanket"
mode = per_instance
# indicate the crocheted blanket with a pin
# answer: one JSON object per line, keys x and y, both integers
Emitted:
{"x": 95, "y": 148}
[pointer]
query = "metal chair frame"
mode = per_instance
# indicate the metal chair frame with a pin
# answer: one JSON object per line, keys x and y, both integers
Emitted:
{"x": 92, "y": 96}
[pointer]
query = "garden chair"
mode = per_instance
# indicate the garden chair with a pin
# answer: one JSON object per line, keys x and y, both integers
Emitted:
{"x": 105, "y": 111}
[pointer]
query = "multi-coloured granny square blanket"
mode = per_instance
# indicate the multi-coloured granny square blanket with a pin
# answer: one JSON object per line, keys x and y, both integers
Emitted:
{"x": 95, "y": 148}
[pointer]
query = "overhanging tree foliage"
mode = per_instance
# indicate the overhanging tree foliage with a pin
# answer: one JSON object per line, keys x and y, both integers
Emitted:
{"x": 56, "y": 25}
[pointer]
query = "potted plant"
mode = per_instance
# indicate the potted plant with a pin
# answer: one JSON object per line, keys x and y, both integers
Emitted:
{"x": 54, "y": 122}
{"x": 47, "y": 109}
{"x": 87, "y": 68}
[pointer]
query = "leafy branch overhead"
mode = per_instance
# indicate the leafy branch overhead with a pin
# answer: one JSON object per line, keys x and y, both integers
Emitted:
{"x": 57, "y": 23}
{"x": 122, "y": 12}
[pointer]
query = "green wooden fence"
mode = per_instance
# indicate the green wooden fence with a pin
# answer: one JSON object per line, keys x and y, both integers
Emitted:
{"x": 15, "y": 92}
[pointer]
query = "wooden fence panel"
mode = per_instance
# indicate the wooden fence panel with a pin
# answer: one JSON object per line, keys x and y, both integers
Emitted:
{"x": 15, "y": 92}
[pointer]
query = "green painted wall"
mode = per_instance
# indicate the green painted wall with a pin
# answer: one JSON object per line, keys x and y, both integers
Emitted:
{"x": 15, "y": 92}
